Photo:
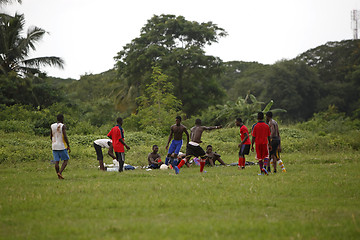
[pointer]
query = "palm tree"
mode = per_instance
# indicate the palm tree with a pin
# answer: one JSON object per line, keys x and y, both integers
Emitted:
{"x": 9, "y": 1}
{"x": 14, "y": 49}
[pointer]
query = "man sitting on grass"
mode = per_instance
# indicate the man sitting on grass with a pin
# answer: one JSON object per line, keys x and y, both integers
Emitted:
{"x": 212, "y": 157}
{"x": 154, "y": 158}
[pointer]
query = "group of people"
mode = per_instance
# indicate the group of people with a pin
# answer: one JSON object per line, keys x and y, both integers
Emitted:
{"x": 265, "y": 136}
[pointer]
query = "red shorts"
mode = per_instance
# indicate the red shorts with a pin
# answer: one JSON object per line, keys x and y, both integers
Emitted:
{"x": 262, "y": 151}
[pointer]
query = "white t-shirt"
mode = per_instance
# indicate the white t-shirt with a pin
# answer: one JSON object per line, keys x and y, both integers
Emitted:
{"x": 103, "y": 142}
{"x": 58, "y": 141}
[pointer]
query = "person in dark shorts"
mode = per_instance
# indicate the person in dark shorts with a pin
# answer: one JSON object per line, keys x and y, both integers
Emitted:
{"x": 154, "y": 158}
{"x": 117, "y": 136}
{"x": 275, "y": 142}
{"x": 244, "y": 144}
{"x": 99, "y": 144}
{"x": 212, "y": 157}
{"x": 193, "y": 147}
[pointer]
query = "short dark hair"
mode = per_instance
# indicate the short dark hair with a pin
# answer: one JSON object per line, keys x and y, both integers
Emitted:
{"x": 178, "y": 117}
{"x": 119, "y": 120}
{"x": 154, "y": 146}
{"x": 260, "y": 115}
{"x": 239, "y": 120}
{"x": 209, "y": 146}
{"x": 269, "y": 114}
{"x": 60, "y": 117}
{"x": 198, "y": 121}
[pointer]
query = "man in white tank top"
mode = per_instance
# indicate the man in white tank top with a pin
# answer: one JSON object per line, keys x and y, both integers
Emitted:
{"x": 60, "y": 145}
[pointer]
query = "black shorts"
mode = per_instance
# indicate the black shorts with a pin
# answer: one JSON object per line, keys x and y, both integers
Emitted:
{"x": 99, "y": 153}
{"x": 244, "y": 150}
{"x": 195, "y": 151}
{"x": 274, "y": 146}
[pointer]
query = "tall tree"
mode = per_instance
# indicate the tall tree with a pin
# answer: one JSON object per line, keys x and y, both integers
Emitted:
{"x": 15, "y": 49}
{"x": 177, "y": 46}
{"x": 158, "y": 106}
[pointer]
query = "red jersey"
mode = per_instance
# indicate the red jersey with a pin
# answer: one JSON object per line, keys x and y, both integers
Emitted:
{"x": 117, "y": 133}
{"x": 244, "y": 130}
{"x": 261, "y": 132}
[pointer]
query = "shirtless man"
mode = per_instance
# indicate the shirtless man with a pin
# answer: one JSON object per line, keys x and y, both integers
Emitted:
{"x": 274, "y": 140}
{"x": 193, "y": 147}
{"x": 212, "y": 157}
{"x": 177, "y": 131}
{"x": 154, "y": 158}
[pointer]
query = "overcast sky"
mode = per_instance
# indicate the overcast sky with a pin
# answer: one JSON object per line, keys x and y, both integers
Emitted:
{"x": 87, "y": 34}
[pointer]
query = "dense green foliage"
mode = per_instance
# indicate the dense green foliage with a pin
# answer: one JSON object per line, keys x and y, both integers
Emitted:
{"x": 176, "y": 46}
{"x": 338, "y": 67}
{"x": 326, "y": 131}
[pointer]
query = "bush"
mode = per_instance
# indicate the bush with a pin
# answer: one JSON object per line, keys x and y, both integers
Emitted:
{"x": 17, "y": 126}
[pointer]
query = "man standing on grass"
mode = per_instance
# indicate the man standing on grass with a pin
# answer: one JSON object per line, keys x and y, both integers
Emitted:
{"x": 117, "y": 136}
{"x": 60, "y": 145}
{"x": 261, "y": 137}
{"x": 193, "y": 148}
{"x": 275, "y": 142}
{"x": 177, "y": 130}
{"x": 244, "y": 144}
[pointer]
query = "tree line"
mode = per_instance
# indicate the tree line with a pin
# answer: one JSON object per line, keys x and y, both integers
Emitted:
{"x": 170, "y": 51}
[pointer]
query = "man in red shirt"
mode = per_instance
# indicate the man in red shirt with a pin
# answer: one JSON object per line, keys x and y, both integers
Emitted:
{"x": 261, "y": 137}
{"x": 244, "y": 144}
{"x": 117, "y": 136}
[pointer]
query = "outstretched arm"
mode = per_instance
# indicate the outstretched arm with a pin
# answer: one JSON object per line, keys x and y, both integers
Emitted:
{"x": 214, "y": 127}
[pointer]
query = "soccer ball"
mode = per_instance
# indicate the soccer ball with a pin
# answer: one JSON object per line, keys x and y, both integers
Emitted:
{"x": 164, "y": 167}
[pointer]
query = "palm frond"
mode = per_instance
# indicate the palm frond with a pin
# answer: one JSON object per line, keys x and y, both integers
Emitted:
{"x": 44, "y": 61}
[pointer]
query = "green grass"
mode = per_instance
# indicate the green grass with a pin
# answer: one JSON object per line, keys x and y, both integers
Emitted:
{"x": 314, "y": 200}
{"x": 318, "y": 198}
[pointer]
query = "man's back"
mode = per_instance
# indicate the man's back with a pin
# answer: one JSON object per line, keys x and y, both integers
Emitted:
{"x": 117, "y": 133}
{"x": 196, "y": 133}
{"x": 261, "y": 131}
{"x": 274, "y": 129}
{"x": 58, "y": 141}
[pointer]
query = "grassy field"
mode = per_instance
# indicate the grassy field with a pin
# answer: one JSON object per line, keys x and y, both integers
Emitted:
{"x": 318, "y": 198}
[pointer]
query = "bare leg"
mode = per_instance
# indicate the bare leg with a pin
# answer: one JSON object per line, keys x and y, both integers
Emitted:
{"x": 57, "y": 168}
{"x": 101, "y": 163}
{"x": 63, "y": 166}
{"x": 221, "y": 161}
{"x": 211, "y": 161}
